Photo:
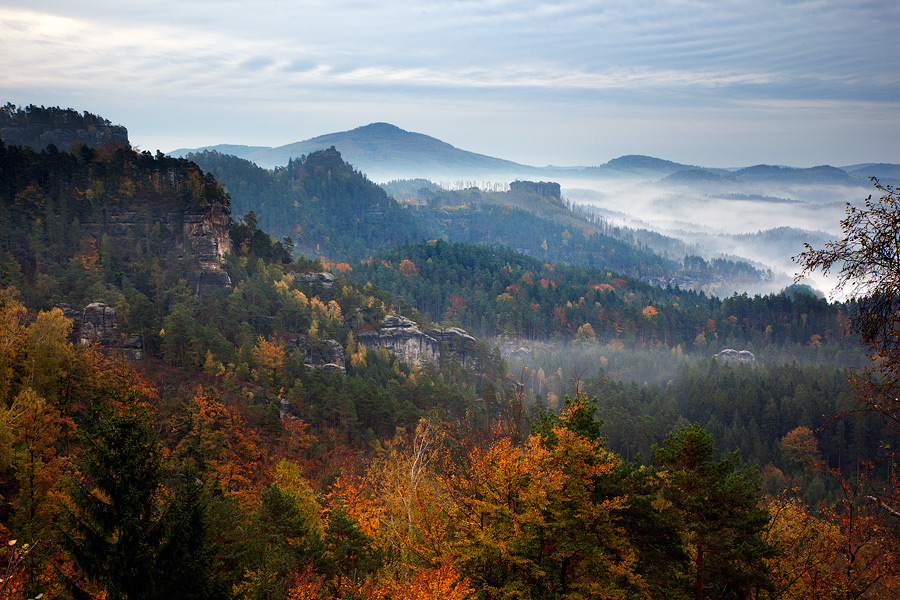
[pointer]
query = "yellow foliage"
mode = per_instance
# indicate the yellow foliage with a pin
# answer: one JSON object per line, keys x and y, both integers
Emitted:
{"x": 334, "y": 311}
{"x": 289, "y": 478}
{"x": 12, "y": 329}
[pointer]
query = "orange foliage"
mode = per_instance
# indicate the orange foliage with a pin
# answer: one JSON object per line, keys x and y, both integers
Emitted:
{"x": 443, "y": 583}
{"x": 408, "y": 267}
{"x": 455, "y": 305}
{"x": 306, "y": 585}
{"x": 218, "y": 440}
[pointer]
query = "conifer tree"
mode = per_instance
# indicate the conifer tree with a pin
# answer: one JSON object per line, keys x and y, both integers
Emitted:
{"x": 717, "y": 505}
{"x": 114, "y": 532}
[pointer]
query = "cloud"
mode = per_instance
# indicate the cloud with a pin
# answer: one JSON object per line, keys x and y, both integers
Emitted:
{"x": 564, "y": 60}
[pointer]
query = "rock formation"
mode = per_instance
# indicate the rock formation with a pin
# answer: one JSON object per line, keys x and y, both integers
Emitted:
{"x": 326, "y": 280}
{"x": 198, "y": 232}
{"x": 403, "y": 338}
{"x": 739, "y": 356}
{"x": 39, "y": 137}
{"x": 545, "y": 189}
{"x": 329, "y": 357}
{"x": 96, "y": 324}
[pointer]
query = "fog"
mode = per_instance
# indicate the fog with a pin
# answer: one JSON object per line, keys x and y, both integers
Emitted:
{"x": 765, "y": 224}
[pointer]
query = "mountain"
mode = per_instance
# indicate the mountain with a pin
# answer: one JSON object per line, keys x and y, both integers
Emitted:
{"x": 386, "y": 152}
{"x": 886, "y": 172}
{"x": 319, "y": 201}
{"x": 637, "y": 165}
{"x": 820, "y": 174}
{"x": 383, "y": 151}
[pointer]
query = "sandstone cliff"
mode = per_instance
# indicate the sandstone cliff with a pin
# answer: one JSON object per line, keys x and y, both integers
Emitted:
{"x": 96, "y": 324}
{"x": 402, "y": 337}
{"x": 198, "y": 233}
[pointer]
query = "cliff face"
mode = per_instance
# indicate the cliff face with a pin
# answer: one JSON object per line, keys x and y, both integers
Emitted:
{"x": 39, "y": 137}
{"x": 402, "y": 337}
{"x": 38, "y": 127}
{"x": 200, "y": 233}
{"x": 96, "y": 324}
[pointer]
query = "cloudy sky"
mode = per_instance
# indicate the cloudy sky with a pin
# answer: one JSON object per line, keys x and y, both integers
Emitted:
{"x": 713, "y": 82}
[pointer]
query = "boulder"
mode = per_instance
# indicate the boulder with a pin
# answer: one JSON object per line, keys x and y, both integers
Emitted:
{"x": 738, "y": 356}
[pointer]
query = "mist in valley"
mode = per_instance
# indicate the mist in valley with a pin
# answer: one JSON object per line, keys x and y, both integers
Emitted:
{"x": 764, "y": 224}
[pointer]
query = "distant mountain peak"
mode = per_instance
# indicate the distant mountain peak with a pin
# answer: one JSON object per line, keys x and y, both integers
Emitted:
{"x": 380, "y": 127}
{"x": 642, "y": 161}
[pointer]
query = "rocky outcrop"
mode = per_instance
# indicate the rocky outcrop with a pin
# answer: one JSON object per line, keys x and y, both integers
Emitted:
{"x": 96, "y": 324}
{"x": 402, "y": 337}
{"x": 40, "y": 137}
{"x": 326, "y": 280}
{"x": 545, "y": 189}
{"x": 194, "y": 232}
{"x": 460, "y": 343}
{"x": 738, "y": 356}
{"x": 329, "y": 357}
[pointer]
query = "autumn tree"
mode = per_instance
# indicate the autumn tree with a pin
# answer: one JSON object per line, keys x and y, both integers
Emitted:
{"x": 868, "y": 272}
{"x": 531, "y": 522}
{"x": 867, "y": 259}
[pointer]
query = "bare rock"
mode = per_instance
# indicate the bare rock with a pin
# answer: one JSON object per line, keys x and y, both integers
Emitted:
{"x": 326, "y": 280}
{"x": 98, "y": 324}
{"x": 403, "y": 338}
{"x": 737, "y": 356}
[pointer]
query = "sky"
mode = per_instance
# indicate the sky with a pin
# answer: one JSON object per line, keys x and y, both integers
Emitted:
{"x": 718, "y": 83}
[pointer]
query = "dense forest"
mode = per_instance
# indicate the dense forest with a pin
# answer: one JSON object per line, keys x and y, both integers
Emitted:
{"x": 319, "y": 202}
{"x": 499, "y": 292}
{"x": 229, "y": 463}
{"x": 532, "y": 218}
{"x": 362, "y": 218}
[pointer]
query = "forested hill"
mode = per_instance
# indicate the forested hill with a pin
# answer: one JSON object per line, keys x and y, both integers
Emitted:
{"x": 230, "y": 463}
{"x": 499, "y": 292}
{"x": 533, "y": 218}
{"x": 330, "y": 210}
{"x": 320, "y": 202}
{"x": 38, "y": 127}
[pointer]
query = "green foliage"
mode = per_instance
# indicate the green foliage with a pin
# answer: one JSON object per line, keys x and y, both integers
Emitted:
{"x": 52, "y": 117}
{"x": 499, "y": 292}
{"x": 318, "y": 202}
{"x": 115, "y": 533}
{"x": 579, "y": 419}
{"x": 717, "y": 505}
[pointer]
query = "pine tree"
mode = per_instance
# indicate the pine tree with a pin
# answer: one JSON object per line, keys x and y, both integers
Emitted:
{"x": 717, "y": 504}
{"x": 114, "y": 531}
